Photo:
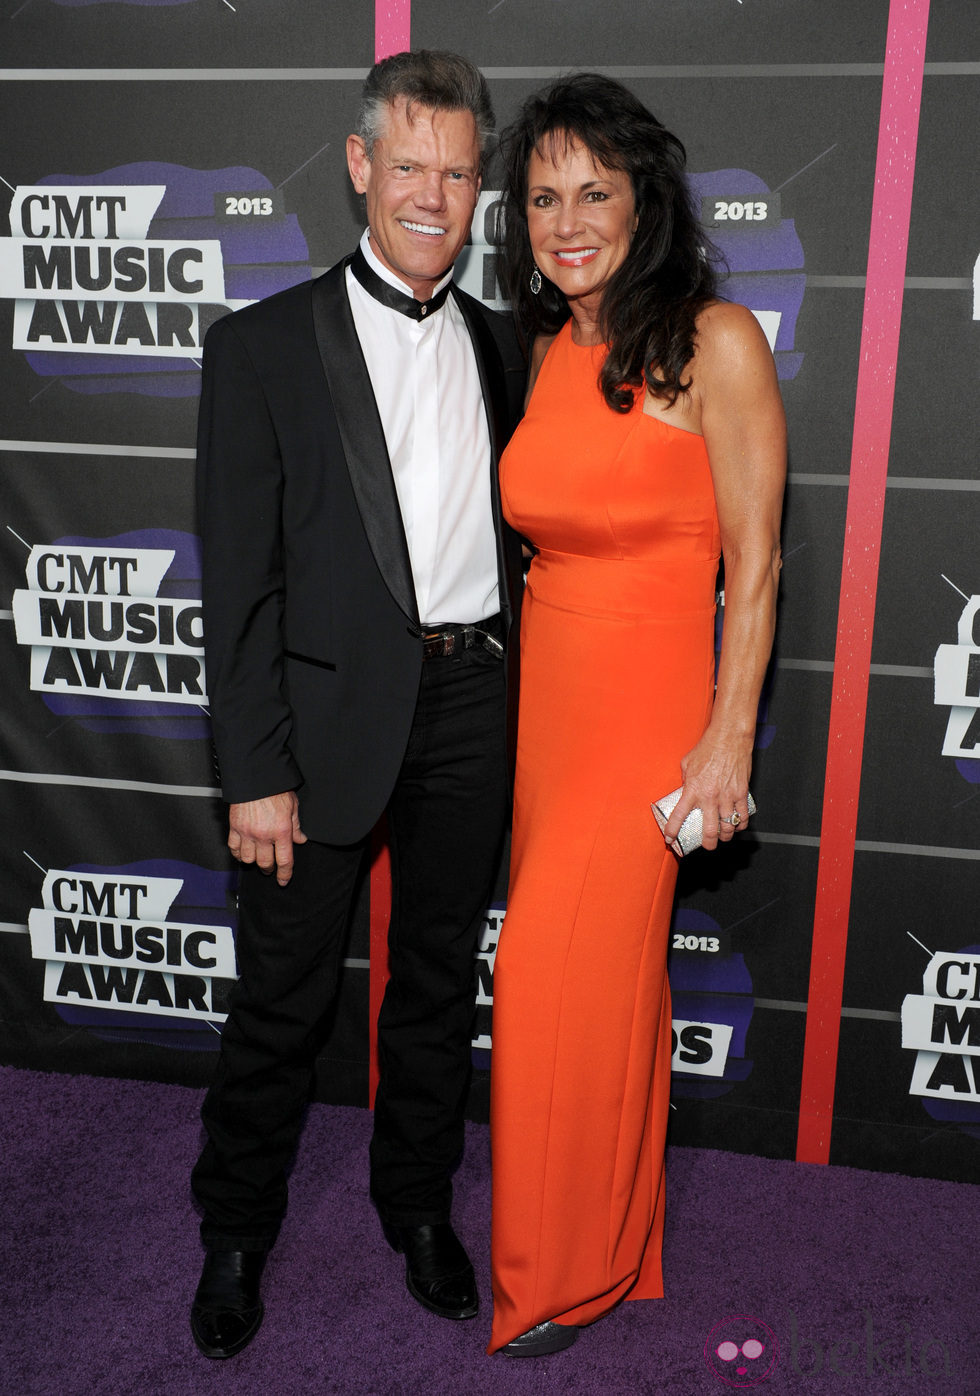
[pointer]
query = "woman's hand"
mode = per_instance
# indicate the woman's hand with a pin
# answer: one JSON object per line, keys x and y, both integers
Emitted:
{"x": 716, "y": 781}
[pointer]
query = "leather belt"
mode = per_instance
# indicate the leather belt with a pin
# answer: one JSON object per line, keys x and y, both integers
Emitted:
{"x": 453, "y": 639}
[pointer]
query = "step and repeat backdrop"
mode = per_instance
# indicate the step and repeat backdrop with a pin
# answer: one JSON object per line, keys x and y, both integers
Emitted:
{"x": 170, "y": 160}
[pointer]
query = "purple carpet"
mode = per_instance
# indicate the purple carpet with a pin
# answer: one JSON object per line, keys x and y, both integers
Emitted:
{"x": 853, "y": 1281}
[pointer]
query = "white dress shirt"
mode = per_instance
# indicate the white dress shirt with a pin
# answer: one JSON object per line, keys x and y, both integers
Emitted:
{"x": 431, "y": 406}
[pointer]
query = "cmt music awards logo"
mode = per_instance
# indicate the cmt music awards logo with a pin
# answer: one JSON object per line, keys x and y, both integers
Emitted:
{"x": 485, "y": 960}
{"x": 711, "y": 991}
{"x": 116, "y": 632}
{"x": 140, "y": 952}
{"x": 761, "y": 249}
{"x": 942, "y": 1026}
{"x": 712, "y": 1000}
{"x": 116, "y": 277}
{"x": 957, "y": 686}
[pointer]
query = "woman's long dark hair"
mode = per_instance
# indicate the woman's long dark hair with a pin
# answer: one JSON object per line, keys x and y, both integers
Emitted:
{"x": 650, "y": 304}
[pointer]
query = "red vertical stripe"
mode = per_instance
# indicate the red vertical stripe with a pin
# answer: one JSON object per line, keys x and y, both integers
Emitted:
{"x": 894, "y": 170}
{"x": 380, "y": 915}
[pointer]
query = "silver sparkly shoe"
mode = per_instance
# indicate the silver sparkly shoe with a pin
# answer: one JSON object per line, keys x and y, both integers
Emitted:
{"x": 539, "y": 1341}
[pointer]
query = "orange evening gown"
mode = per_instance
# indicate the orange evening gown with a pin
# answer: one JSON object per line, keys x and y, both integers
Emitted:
{"x": 617, "y": 679}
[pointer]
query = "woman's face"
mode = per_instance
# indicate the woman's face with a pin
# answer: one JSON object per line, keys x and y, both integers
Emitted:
{"x": 581, "y": 218}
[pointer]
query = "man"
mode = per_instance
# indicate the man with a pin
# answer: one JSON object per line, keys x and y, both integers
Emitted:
{"x": 359, "y": 590}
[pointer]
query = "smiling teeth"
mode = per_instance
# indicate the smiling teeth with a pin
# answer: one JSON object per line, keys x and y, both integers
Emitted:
{"x": 422, "y": 228}
{"x": 577, "y": 255}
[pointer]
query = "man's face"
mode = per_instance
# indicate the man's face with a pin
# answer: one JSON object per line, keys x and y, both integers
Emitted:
{"x": 421, "y": 186}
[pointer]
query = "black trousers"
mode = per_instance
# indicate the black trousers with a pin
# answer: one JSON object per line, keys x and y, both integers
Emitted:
{"x": 446, "y": 817}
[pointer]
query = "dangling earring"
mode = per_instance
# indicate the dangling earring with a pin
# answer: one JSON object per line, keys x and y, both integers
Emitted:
{"x": 535, "y": 282}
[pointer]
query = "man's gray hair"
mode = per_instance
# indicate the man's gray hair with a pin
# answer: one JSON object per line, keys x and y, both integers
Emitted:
{"x": 429, "y": 78}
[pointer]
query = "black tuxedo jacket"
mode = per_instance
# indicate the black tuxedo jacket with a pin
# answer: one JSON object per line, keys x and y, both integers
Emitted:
{"x": 313, "y": 648}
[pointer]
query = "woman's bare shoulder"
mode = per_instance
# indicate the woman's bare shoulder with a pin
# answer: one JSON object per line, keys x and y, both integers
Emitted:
{"x": 725, "y": 327}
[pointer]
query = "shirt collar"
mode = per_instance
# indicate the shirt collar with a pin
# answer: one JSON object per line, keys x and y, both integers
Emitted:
{"x": 379, "y": 269}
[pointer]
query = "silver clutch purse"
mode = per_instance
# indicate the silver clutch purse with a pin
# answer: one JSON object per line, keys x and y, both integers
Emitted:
{"x": 691, "y": 833}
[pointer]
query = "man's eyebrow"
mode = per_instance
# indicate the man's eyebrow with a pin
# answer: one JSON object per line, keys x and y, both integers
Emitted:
{"x": 394, "y": 159}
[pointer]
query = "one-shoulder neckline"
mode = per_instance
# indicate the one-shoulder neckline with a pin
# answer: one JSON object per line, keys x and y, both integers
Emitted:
{"x": 672, "y": 426}
{"x": 590, "y": 348}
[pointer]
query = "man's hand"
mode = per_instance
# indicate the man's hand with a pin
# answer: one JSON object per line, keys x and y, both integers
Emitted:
{"x": 264, "y": 831}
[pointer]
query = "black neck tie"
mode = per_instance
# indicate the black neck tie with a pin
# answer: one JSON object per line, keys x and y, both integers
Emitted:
{"x": 390, "y": 296}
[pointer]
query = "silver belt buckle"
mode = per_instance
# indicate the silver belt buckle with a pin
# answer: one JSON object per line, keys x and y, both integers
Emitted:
{"x": 490, "y": 642}
{"x": 440, "y": 645}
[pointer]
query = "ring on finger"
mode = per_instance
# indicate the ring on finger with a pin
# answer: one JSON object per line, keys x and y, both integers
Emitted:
{"x": 735, "y": 820}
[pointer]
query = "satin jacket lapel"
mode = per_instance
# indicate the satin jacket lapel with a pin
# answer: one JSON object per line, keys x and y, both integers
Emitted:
{"x": 362, "y": 435}
{"x": 494, "y": 390}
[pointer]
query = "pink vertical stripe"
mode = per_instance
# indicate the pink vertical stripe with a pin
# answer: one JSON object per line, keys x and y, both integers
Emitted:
{"x": 392, "y": 27}
{"x": 894, "y": 171}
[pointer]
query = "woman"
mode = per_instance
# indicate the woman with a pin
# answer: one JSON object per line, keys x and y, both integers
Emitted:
{"x": 653, "y": 441}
